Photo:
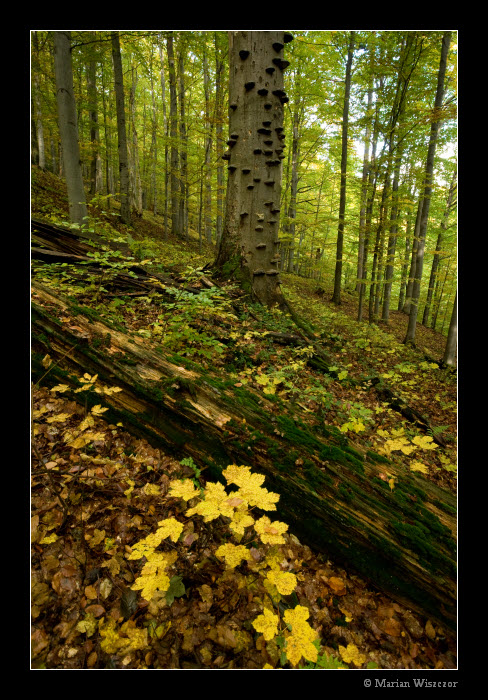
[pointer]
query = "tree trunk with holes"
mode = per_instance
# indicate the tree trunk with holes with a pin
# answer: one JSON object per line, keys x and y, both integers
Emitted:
{"x": 334, "y": 498}
{"x": 249, "y": 249}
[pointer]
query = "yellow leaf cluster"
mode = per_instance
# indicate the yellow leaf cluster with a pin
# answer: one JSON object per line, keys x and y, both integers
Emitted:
{"x": 215, "y": 503}
{"x": 182, "y": 489}
{"x": 351, "y": 655}
{"x": 284, "y": 581}
{"x": 300, "y": 641}
{"x": 153, "y": 575}
{"x": 233, "y": 554}
{"x": 169, "y": 528}
{"x": 267, "y": 624}
{"x": 425, "y": 442}
{"x": 270, "y": 532}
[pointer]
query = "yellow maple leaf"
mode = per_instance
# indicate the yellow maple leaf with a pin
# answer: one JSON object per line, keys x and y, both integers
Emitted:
{"x": 425, "y": 442}
{"x": 98, "y": 410}
{"x": 351, "y": 655}
{"x": 284, "y": 581}
{"x": 419, "y": 467}
{"x": 299, "y": 642}
{"x": 61, "y": 388}
{"x": 170, "y": 528}
{"x": 233, "y": 554}
{"x": 183, "y": 489}
{"x": 270, "y": 532}
{"x": 267, "y": 624}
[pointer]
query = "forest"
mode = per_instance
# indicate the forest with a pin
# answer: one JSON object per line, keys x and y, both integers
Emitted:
{"x": 244, "y": 300}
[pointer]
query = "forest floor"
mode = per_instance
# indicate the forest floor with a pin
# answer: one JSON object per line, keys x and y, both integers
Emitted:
{"x": 97, "y": 489}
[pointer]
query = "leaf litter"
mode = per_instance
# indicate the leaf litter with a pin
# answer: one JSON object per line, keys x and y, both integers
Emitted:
{"x": 92, "y": 502}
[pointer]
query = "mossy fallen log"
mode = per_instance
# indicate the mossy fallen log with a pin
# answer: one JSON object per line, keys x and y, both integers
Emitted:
{"x": 334, "y": 498}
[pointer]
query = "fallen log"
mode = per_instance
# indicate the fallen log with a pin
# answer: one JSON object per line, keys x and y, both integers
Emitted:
{"x": 334, "y": 498}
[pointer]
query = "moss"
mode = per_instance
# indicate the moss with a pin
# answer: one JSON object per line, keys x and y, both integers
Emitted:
{"x": 346, "y": 494}
{"x": 416, "y": 538}
{"x": 445, "y": 507}
{"x": 374, "y": 457}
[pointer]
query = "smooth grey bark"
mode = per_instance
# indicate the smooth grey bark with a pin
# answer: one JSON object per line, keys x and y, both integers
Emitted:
{"x": 133, "y": 152}
{"x": 438, "y": 248}
{"x": 208, "y": 152}
{"x": 36, "y": 74}
{"x": 95, "y": 164}
{"x": 292, "y": 207}
{"x": 166, "y": 136}
{"x": 336, "y": 296}
{"x": 183, "y": 212}
{"x": 449, "y": 358}
{"x": 364, "y": 194}
{"x": 174, "y": 156}
{"x": 68, "y": 126}
{"x": 413, "y": 260}
{"x": 392, "y": 238}
{"x": 249, "y": 246}
{"x": 429, "y": 168}
{"x": 125, "y": 213}
{"x": 219, "y": 139}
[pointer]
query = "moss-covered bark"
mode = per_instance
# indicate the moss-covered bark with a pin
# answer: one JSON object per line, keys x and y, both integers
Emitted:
{"x": 332, "y": 496}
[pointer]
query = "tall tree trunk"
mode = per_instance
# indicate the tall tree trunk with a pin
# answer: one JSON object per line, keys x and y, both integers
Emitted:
{"x": 336, "y": 297}
{"x": 134, "y": 167}
{"x": 125, "y": 213}
{"x": 173, "y": 118}
{"x": 385, "y": 316}
{"x": 413, "y": 259}
{"x": 93, "y": 120}
{"x": 36, "y": 74}
{"x": 429, "y": 168}
{"x": 208, "y": 152}
{"x": 219, "y": 139}
{"x": 166, "y": 136}
{"x": 449, "y": 358}
{"x": 154, "y": 143}
{"x": 68, "y": 128}
{"x": 292, "y": 207}
{"x": 364, "y": 193}
{"x": 438, "y": 248}
{"x": 183, "y": 213}
{"x": 249, "y": 244}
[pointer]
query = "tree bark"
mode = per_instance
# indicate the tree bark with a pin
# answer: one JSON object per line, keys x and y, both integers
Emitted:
{"x": 125, "y": 214}
{"x": 429, "y": 169}
{"x": 438, "y": 248}
{"x": 336, "y": 297}
{"x": 173, "y": 120}
{"x": 249, "y": 245}
{"x": 334, "y": 498}
{"x": 68, "y": 127}
{"x": 449, "y": 358}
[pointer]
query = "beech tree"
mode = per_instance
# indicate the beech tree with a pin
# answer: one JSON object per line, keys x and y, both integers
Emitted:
{"x": 336, "y": 297}
{"x": 249, "y": 244}
{"x": 68, "y": 126}
{"x": 121, "y": 130}
{"x": 429, "y": 167}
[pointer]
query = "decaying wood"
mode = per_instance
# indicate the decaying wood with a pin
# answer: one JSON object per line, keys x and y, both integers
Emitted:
{"x": 335, "y": 499}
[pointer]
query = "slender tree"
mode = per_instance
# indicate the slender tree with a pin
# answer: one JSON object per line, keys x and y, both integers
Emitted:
{"x": 336, "y": 297}
{"x": 125, "y": 213}
{"x": 449, "y": 358}
{"x": 429, "y": 168}
{"x": 249, "y": 244}
{"x": 68, "y": 126}
{"x": 173, "y": 118}
{"x": 438, "y": 248}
